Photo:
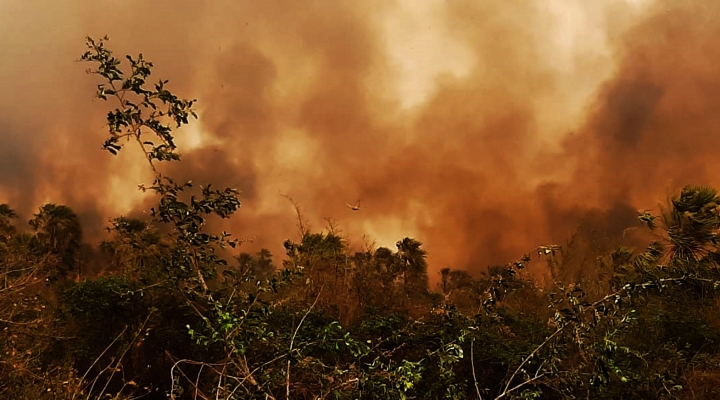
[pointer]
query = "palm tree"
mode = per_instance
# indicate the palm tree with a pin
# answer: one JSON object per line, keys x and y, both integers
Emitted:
{"x": 246, "y": 265}
{"x": 259, "y": 266}
{"x": 413, "y": 265}
{"x": 137, "y": 248}
{"x": 59, "y": 232}
{"x": 264, "y": 264}
{"x": 6, "y": 228}
{"x": 690, "y": 225}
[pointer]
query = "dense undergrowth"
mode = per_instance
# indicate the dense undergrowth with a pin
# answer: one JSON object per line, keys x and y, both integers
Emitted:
{"x": 178, "y": 317}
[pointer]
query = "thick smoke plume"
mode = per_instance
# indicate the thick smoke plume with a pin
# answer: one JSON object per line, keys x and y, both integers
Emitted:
{"x": 482, "y": 129}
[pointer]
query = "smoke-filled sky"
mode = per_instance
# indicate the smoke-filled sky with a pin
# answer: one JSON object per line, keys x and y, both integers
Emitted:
{"x": 481, "y": 128}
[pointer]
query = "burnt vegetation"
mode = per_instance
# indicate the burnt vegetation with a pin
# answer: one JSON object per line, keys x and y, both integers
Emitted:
{"x": 183, "y": 313}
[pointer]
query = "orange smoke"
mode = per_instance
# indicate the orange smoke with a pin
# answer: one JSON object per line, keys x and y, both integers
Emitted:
{"x": 482, "y": 129}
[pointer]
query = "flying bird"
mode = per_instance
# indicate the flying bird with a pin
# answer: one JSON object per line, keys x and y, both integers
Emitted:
{"x": 549, "y": 249}
{"x": 250, "y": 239}
{"x": 354, "y": 207}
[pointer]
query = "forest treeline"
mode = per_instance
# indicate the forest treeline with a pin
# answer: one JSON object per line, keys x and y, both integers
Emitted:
{"x": 175, "y": 315}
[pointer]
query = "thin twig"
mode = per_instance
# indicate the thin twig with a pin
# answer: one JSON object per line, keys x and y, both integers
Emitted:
{"x": 197, "y": 381}
{"x": 472, "y": 362}
{"x": 292, "y": 341}
{"x": 96, "y": 361}
{"x": 562, "y": 328}
{"x": 192, "y": 362}
{"x": 198, "y": 392}
{"x": 521, "y": 385}
{"x": 220, "y": 381}
{"x": 302, "y": 226}
{"x": 117, "y": 364}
